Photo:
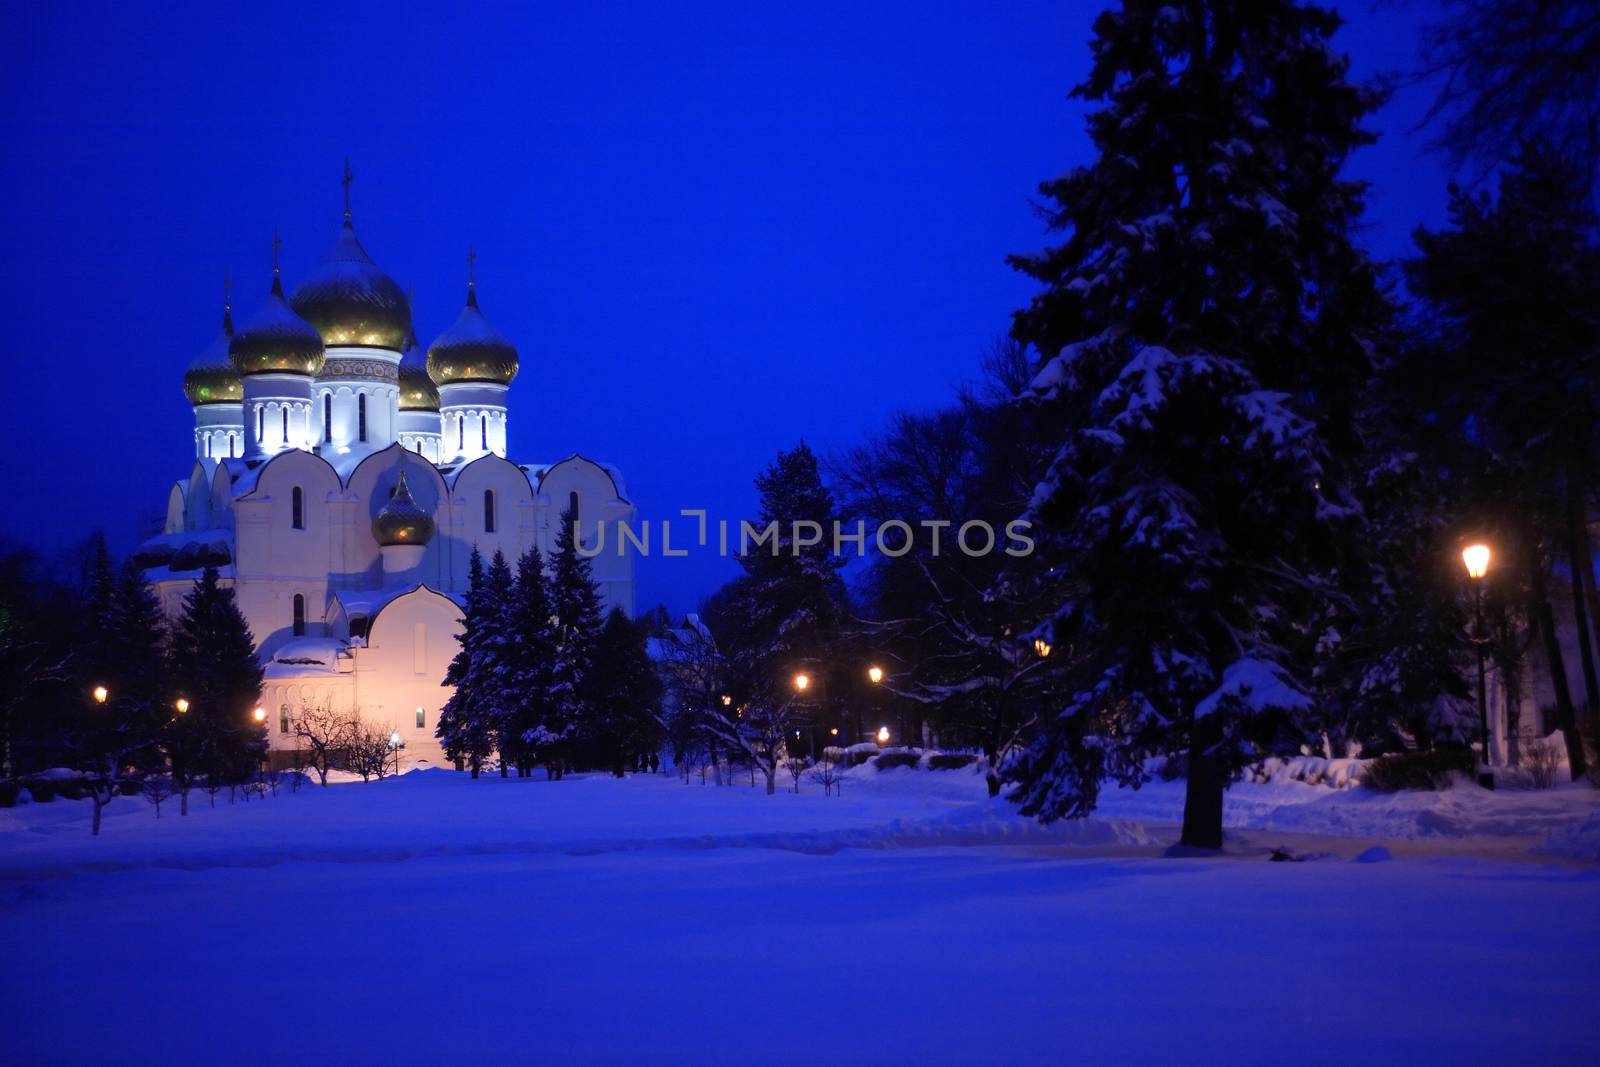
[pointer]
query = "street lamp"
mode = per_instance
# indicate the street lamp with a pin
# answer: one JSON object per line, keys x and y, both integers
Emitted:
{"x": 1041, "y": 646}
{"x": 726, "y": 700}
{"x": 100, "y": 694}
{"x": 875, "y": 674}
{"x": 396, "y": 743}
{"x": 182, "y": 705}
{"x": 1476, "y": 559}
{"x": 802, "y": 682}
{"x": 259, "y": 715}
{"x": 883, "y": 735}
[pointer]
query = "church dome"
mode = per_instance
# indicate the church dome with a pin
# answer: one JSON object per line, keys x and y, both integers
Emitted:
{"x": 351, "y": 302}
{"x": 417, "y": 391}
{"x": 276, "y": 340}
{"x": 472, "y": 350}
{"x": 401, "y": 522}
{"x": 211, "y": 378}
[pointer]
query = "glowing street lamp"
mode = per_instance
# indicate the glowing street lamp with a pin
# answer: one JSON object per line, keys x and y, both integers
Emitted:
{"x": 883, "y": 735}
{"x": 1476, "y": 558}
{"x": 802, "y": 682}
{"x": 100, "y": 694}
{"x": 259, "y": 715}
{"x": 182, "y": 705}
{"x": 834, "y": 731}
{"x": 726, "y": 700}
{"x": 1041, "y": 646}
{"x": 875, "y": 674}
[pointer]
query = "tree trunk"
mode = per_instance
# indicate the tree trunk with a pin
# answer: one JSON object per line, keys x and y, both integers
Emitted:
{"x": 183, "y": 802}
{"x": 1202, "y": 802}
{"x": 1565, "y": 716}
{"x": 97, "y": 807}
{"x": 772, "y": 779}
{"x": 1578, "y": 559}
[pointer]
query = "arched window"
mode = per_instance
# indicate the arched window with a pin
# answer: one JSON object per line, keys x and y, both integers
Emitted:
{"x": 361, "y": 416}
{"x": 572, "y": 504}
{"x": 233, "y": 444}
{"x": 283, "y": 718}
{"x": 286, "y": 424}
{"x": 205, "y": 446}
{"x": 297, "y": 508}
{"x": 422, "y": 718}
{"x": 461, "y": 432}
{"x": 299, "y": 615}
{"x": 327, "y": 418}
{"x": 483, "y": 428}
{"x": 261, "y": 421}
{"x": 488, "y": 511}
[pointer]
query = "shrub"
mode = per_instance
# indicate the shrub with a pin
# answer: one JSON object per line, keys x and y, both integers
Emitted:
{"x": 888, "y": 761}
{"x": 8, "y": 793}
{"x": 1417, "y": 770}
{"x": 951, "y": 761}
{"x": 42, "y": 790}
{"x": 858, "y": 756}
{"x": 1541, "y": 758}
{"x": 130, "y": 787}
{"x": 72, "y": 789}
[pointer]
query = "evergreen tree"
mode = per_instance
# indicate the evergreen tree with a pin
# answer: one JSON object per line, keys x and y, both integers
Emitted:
{"x": 465, "y": 729}
{"x": 576, "y": 605}
{"x": 214, "y": 667}
{"x": 785, "y": 611}
{"x": 624, "y": 694}
{"x": 1205, "y": 328}
{"x": 1512, "y": 286}
{"x": 534, "y": 730}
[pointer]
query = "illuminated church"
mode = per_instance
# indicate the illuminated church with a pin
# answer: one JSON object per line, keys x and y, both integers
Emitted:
{"x": 342, "y": 478}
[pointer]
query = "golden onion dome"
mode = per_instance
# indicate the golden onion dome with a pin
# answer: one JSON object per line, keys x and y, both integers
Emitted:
{"x": 276, "y": 340}
{"x": 401, "y": 521}
{"x": 472, "y": 350}
{"x": 417, "y": 391}
{"x": 211, "y": 378}
{"x": 351, "y": 302}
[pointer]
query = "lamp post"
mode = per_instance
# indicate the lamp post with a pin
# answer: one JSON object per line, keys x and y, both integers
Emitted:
{"x": 182, "y": 705}
{"x": 100, "y": 694}
{"x": 396, "y": 743}
{"x": 1476, "y": 559}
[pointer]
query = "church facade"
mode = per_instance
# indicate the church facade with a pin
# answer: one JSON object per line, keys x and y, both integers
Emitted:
{"x": 343, "y": 477}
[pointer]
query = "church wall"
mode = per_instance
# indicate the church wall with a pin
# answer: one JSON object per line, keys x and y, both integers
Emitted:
{"x": 410, "y": 646}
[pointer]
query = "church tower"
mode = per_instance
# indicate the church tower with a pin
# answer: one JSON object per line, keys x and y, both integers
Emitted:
{"x": 277, "y": 354}
{"x": 473, "y": 365}
{"x": 214, "y": 389}
{"x": 364, "y": 319}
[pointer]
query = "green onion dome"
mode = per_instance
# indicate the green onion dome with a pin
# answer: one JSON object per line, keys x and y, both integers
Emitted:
{"x": 417, "y": 391}
{"x": 472, "y": 350}
{"x": 401, "y": 522}
{"x": 276, "y": 340}
{"x": 211, "y": 378}
{"x": 351, "y": 302}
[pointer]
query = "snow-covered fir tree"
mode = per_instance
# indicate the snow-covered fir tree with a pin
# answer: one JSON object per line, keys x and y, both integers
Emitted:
{"x": 624, "y": 695}
{"x": 1204, "y": 330}
{"x": 214, "y": 667}
{"x": 465, "y": 728}
{"x": 533, "y": 732}
{"x": 576, "y": 605}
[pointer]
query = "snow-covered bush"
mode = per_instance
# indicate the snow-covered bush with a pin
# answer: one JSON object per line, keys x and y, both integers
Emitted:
{"x": 888, "y": 761}
{"x": 950, "y": 761}
{"x": 1432, "y": 769}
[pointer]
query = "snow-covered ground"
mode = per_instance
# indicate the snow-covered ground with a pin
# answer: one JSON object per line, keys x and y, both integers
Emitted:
{"x": 912, "y": 918}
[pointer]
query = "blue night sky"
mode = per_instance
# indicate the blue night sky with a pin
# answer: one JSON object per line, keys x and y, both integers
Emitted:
{"x": 711, "y": 231}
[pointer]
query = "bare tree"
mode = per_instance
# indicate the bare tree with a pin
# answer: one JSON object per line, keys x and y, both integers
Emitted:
{"x": 796, "y": 766}
{"x": 156, "y": 789}
{"x": 368, "y": 750}
{"x": 828, "y": 774}
{"x": 1510, "y": 72}
{"x": 758, "y": 727}
{"x": 326, "y": 733}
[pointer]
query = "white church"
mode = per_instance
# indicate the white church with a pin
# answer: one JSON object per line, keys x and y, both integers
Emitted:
{"x": 342, "y": 478}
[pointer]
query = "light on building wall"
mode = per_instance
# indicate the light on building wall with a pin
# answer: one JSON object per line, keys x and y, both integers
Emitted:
{"x": 1476, "y": 558}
